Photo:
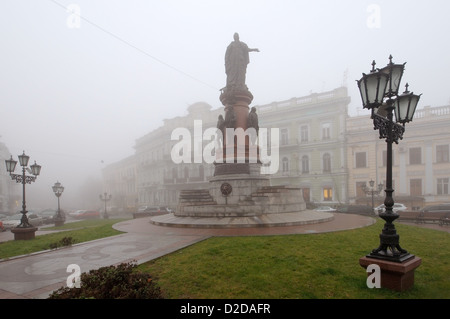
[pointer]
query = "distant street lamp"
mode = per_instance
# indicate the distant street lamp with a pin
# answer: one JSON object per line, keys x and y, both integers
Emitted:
{"x": 58, "y": 189}
{"x": 372, "y": 190}
{"x": 105, "y": 197}
{"x": 24, "y": 230}
{"x": 379, "y": 93}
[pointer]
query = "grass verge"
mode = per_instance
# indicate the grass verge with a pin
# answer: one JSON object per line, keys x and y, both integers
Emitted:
{"x": 323, "y": 266}
{"x": 79, "y": 231}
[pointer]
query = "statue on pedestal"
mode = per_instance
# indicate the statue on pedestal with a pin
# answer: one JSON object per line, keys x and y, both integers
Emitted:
{"x": 236, "y": 60}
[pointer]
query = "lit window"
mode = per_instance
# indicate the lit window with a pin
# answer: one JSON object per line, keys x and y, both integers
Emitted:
{"x": 327, "y": 194}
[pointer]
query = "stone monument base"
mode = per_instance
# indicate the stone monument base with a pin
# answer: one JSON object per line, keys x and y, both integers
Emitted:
{"x": 25, "y": 233}
{"x": 394, "y": 275}
{"x": 241, "y": 197}
{"x": 240, "y": 194}
{"x": 264, "y": 220}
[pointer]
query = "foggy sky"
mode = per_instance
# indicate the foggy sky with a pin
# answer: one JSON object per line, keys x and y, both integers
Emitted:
{"x": 76, "y": 99}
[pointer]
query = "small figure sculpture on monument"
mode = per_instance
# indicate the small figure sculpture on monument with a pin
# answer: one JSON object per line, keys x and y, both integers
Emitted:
{"x": 221, "y": 126}
{"x": 252, "y": 122}
{"x": 230, "y": 121}
{"x": 236, "y": 60}
{"x": 230, "y": 118}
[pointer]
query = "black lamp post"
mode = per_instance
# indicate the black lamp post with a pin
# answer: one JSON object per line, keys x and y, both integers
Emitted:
{"x": 24, "y": 230}
{"x": 379, "y": 93}
{"x": 105, "y": 197}
{"x": 58, "y": 189}
{"x": 372, "y": 190}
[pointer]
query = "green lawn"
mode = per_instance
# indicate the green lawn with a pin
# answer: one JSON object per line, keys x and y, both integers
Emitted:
{"x": 79, "y": 231}
{"x": 305, "y": 266}
{"x": 299, "y": 266}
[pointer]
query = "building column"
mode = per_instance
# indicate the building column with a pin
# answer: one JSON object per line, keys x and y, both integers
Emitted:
{"x": 428, "y": 167}
{"x": 402, "y": 186}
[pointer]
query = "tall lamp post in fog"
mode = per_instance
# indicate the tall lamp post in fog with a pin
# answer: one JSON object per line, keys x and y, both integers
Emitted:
{"x": 105, "y": 197}
{"x": 379, "y": 93}
{"x": 24, "y": 230}
{"x": 372, "y": 190}
{"x": 58, "y": 189}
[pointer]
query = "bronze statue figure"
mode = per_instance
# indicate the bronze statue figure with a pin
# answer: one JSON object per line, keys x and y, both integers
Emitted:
{"x": 230, "y": 122}
{"x": 236, "y": 60}
{"x": 252, "y": 122}
{"x": 221, "y": 126}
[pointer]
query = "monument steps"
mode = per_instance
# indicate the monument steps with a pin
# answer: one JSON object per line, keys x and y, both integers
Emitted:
{"x": 196, "y": 197}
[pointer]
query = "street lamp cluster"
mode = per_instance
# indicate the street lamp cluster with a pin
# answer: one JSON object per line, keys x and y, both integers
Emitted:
{"x": 379, "y": 93}
{"x": 24, "y": 179}
{"x": 24, "y": 230}
{"x": 372, "y": 190}
{"x": 35, "y": 170}
{"x": 58, "y": 189}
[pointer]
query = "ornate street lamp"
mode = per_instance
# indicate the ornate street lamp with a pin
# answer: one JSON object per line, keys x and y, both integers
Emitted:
{"x": 58, "y": 189}
{"x": 105, "y": 198}
{"x": 372, "y": 190}
{"x": 379, "y": 93}
{"x": 24, "y": 230}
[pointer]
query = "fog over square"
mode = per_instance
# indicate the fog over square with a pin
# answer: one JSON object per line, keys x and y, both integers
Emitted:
{"x": 80, "y": 81}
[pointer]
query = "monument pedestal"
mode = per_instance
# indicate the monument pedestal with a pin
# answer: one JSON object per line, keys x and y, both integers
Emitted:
{"x": 25, "y": 233}
{"x": 239, "y": 195}
{"x": 394, "y": 275}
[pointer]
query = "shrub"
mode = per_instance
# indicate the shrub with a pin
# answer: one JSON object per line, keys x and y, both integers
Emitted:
{"x": 65, "y": 241}
{"x": 112, "y": 282}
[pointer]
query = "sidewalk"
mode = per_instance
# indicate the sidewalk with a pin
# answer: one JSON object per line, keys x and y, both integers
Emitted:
{"x": 36, "y": 275}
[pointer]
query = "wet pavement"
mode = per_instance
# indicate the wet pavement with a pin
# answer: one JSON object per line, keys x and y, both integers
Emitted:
{"x": 35, "y": 276}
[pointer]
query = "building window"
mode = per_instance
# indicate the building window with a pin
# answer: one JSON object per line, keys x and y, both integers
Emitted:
{"x": 284, "y": 136}
{"x": 360, "y": 160}
{"x": 442, "y": 186}
{"x": 326, "y": 161}
{"x": 415, "y": 155}
{"x": 304, "y": 134}
{"x": 359, "y": 189}
{"x": 442, "y": 154}
{"x": 415, "y": 187}
{"x": 285, "y": 165}
{"x": 327, "y": 194}
{"x": 326, "y": 131}
{"x": 264, "y": 139}
{"x": 305, "y": 164}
